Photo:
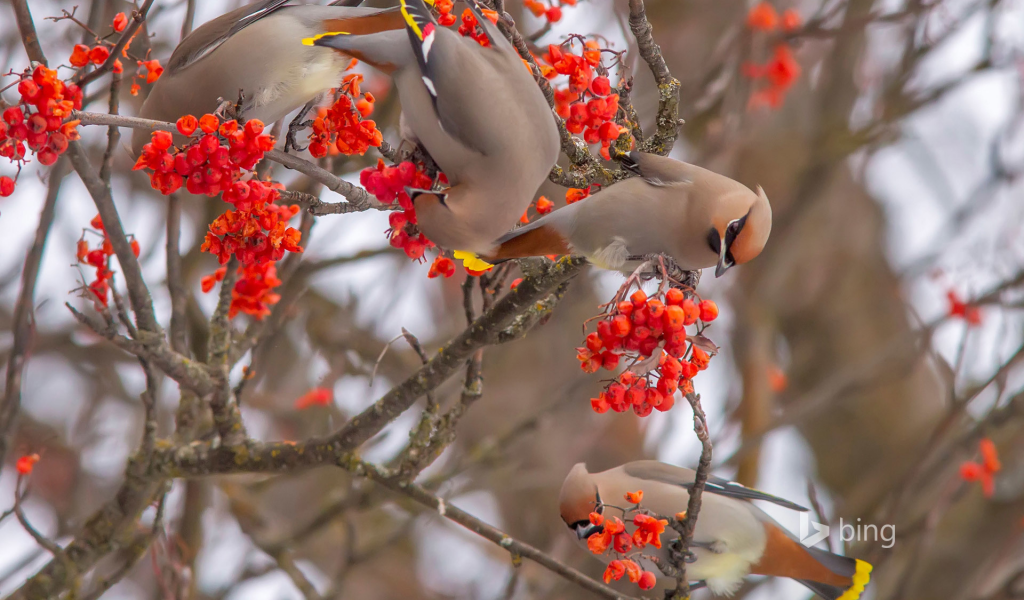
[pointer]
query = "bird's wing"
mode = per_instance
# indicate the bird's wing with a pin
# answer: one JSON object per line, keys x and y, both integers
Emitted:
{"x": 212, "y": 34}
{"x": 658, "y": 471}
{"x": 656, "y": 170}
{"x": 445, "y": 68}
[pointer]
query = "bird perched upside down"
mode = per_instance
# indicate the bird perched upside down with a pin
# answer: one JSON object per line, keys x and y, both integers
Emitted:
{"x": 733, "y": 538}
{"x": 476, "y": 110}
{"x": 696, "y": 217}
{"x": 257, "y": 50}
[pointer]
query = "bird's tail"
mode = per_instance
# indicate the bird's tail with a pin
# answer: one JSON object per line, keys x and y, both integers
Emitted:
{"x": 858, "y": 571}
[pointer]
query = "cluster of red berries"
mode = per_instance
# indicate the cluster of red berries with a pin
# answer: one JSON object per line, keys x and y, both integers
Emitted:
{"x": 782, "y": 70}
{"x": 552, "y": 12}
{"x": 647, "y": 530}
{"x": 258, "y": 235}
{"x": 253, "y": 293}
{"x": 256, "y": 231}
{"x": 82, "y": 55}
{"x": 341, "y": 128}
{"x": 388, "y": 185}
{"x": 587, "y": 104}
{"x": 38, "y": 121}
{"x": 643, "y": 329}
{"x": 206, "y": 165}
{"x": 99, "y": 259}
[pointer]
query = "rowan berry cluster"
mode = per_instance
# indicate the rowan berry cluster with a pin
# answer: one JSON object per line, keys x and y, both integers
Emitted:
{"x": 99, "y": 259}
{"x": 551, "y": 11}
{"x": 388, "y": 185}
{"x": 256, "y": 232}
{"x": 343, "y": 128}
{"x": 626, "y": 545}
{"x": 587, "y": 103}
{"x": 782, "y": 70}
{"x": 82, "y": 55}
{"x": 206, "y": 164}
{"x": 38, "y": 121}
{"x": 652, "y": 333}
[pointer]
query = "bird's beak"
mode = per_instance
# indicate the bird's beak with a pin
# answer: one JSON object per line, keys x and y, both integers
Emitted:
{"x": 723, "y": 262}
{"x": 585, "y": 531}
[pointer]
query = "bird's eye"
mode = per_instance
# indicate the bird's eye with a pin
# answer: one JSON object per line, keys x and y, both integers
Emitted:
{"x": 714, "y": 242}
{"x": 733, "y": 229}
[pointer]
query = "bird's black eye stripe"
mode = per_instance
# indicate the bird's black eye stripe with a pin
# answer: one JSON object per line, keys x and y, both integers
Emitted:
{"x": 713, "y": 241}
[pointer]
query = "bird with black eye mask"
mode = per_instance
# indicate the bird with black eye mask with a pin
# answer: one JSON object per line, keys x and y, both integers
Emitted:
{"x": 694, "y": 216}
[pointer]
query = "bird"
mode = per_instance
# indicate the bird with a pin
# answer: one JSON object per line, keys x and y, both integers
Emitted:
{"x": 257, "y": 50}
{"x": 733, "y": 538}
{"x": 477, "y": 111}
{"x": 694, "y": 216}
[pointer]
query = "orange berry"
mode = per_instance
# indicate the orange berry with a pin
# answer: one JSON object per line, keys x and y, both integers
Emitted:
{"x": 708, "y": 311}
{"x": 674, "y": 318}
{"x": 692, "y": 313}
{"x": 209, "y": 123}
{"x": 621, "y": 326}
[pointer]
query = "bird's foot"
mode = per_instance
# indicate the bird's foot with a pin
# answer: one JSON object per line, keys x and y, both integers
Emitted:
{"x": 298, "y": 124}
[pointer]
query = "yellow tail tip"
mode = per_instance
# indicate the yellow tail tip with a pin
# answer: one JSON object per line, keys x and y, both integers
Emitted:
{"x": 472, "y": 261}
{"x": 310, "y": 41}
{"x": 861, "y": 577}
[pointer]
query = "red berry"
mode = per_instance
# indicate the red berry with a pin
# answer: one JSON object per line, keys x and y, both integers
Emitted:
{"x": 674, "y": 318}
{"x": 98, "y": 55}
{"x": 609, "y": 360}
{"x": 187, "y": 125}
{"x": 708, "y": 311}
{"x": 639, "y": 298}
{"x": 162, "y": 140}
{"x": 666, "y": 403}
{"x": 6, "y": 186}
{"x": 635, "y": 395}
{"x": 13, "y": 115}
{"x": 647, "y": 579}
{"x": 209, "y": 123}
{"x": 621, "y": 326}
{"x": 692, "y": 313}
{"x": 674, "y": 296}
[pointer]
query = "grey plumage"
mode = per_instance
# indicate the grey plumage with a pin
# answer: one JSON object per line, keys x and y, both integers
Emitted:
{"x": 671, "y": 208}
